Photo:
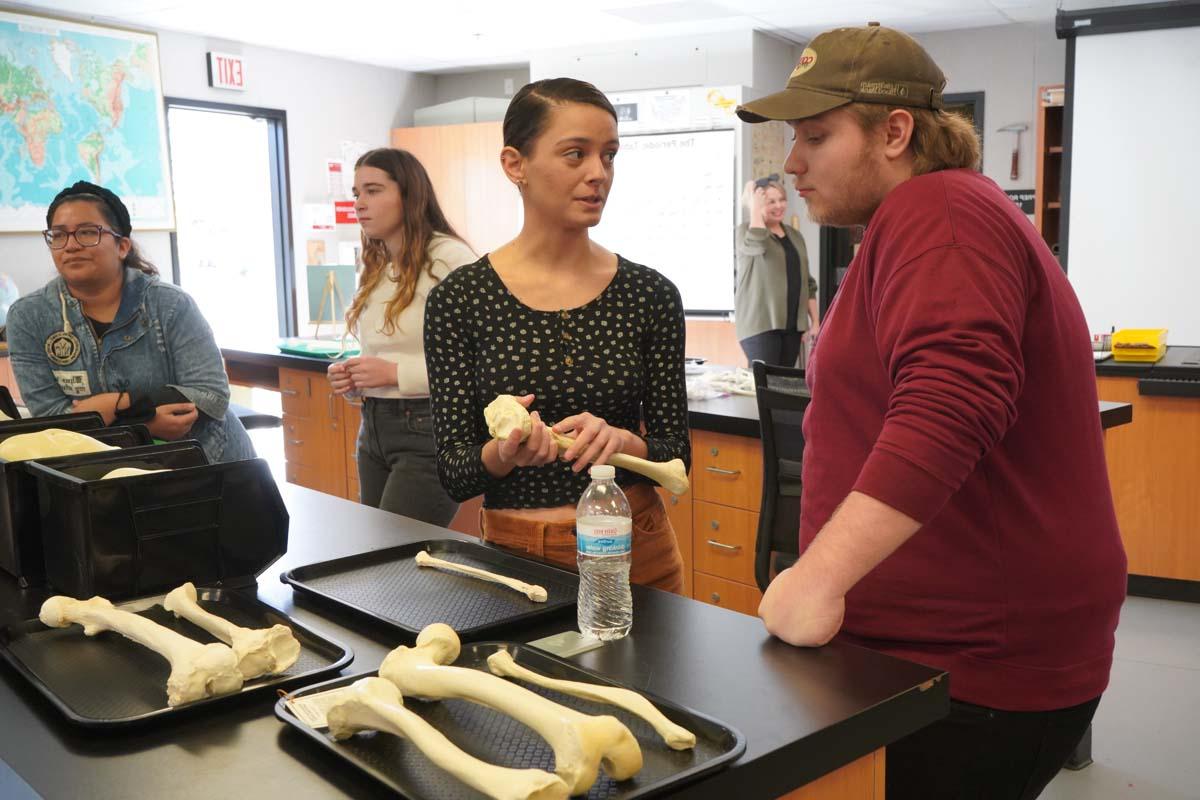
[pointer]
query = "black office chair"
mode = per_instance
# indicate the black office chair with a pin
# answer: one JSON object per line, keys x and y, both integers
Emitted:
{"x": 782, "y": 397}
{"x": 252, "y": 419}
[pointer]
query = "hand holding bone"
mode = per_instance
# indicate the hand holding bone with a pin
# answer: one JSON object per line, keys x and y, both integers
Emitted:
{"x": 502, "y": 663}
{"x": 265, "y": 651}
{"x": 377, "y": 705}
{"x": 197, "y": 670}
{"x": 581, "y": 743}
{"x": 506, "y": 414}
{"x": 535, "y": 593}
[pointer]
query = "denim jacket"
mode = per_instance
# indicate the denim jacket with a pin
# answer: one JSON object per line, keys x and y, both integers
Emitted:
{"x": 158, "y": 338}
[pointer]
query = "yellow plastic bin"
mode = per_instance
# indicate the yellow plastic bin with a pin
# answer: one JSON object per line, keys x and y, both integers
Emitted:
{"x": 1139, "y": 344}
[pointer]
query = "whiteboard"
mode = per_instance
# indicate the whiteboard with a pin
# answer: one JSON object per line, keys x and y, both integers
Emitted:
{"x": 672, "y": 208}
{"x": 1134, "y": 172}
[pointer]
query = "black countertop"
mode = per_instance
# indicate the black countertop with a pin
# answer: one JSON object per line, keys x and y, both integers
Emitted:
{"x": 804, "y": 712}
{"x": 736, "y": 415}
{"x": 1179, "y": 362}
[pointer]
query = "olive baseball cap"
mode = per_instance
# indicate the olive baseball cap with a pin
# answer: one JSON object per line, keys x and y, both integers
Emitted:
{"x": 854, "y": 65}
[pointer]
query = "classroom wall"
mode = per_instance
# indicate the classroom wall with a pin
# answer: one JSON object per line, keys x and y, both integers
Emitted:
{"x": 478, "y": 83}
{"x": 326, "y": 100}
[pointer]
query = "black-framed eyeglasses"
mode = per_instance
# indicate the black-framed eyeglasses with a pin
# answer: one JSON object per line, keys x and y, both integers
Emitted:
{"x": 763, "y": 183}
{"x": 85, "y": 235}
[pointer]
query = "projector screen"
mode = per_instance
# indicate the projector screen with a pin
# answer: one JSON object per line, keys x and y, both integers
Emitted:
{"x": 1134, "y": 205}
{"x": 672, "y": 208}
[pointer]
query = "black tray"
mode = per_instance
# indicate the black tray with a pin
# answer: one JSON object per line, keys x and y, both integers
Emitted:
{"x": 107, "y": 681}
{"x": 499, "y": 739}
{"x": 386, "y": 586}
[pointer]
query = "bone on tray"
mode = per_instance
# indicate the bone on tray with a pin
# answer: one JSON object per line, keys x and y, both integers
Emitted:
{"x": 581, "y": 742}
{"x": 505, "y": 414}
{"x": 197, "y": 670}
{"x": 376, "y": 704}
{"x": 261, "y": 651}
{"x": 535, "y": 593}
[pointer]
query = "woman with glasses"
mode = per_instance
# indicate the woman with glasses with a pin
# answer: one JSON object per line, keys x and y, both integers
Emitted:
{"x": 775, "y": 299}
{"x": 107, "y": 336}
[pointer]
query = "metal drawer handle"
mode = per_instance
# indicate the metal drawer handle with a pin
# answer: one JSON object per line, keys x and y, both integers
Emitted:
{"x": 296, "y": 442}
{"x": 716, "y": 598}
{"x": 734, "y": 547}
{"x": 674, "y": 500}
{"x": 289, "y": 392}
{"x": 720, "y": 471}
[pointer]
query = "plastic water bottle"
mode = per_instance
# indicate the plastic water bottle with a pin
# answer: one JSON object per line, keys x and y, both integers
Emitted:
{"x": 604, "y": 533}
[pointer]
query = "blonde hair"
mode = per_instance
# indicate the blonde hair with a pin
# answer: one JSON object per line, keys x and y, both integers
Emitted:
{"x": 422, "y": 219}
{"x": 940, "y": 139}
{"x": 748, "y": 196}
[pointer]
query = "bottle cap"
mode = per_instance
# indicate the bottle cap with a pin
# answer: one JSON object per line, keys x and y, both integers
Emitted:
{"x": 602, "y": 471}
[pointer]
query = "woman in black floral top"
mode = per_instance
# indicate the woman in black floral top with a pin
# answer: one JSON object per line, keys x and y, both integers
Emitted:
{"x": 590, "y": 342}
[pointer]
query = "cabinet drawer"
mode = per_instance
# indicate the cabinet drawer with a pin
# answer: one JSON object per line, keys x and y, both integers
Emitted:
{"x": 296, "y": 391}
{"x": 302, "y": 440}
{"x": 679, "y": 511}
{"x": 302, "y": 475}
{"x": 723, "y": 541}
{"x": 726, "y": 594}
{"x": 727, "y": 469}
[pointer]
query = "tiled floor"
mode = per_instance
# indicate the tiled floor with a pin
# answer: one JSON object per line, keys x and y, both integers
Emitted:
{"x": 1146, "y": 736}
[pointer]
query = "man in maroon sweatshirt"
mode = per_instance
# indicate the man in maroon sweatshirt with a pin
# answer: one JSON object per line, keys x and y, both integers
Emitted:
{"x": 956, "y": 507}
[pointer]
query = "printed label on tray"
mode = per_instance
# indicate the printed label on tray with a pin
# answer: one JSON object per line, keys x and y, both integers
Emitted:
{"x": 610, "y": 538}
{"x": 312, "y": 708}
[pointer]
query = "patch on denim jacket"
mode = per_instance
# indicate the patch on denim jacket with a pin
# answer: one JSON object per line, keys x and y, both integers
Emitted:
{"x": 73, "y": 382}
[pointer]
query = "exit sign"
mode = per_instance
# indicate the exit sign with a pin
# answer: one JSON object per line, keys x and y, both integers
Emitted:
{"x": 226, "y": 71}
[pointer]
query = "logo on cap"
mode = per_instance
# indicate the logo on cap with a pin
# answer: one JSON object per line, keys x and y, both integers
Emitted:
{"x": 808, "y": 59}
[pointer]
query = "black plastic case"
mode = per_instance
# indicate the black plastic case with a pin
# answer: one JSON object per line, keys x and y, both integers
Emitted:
{"x": 212, "y": 524}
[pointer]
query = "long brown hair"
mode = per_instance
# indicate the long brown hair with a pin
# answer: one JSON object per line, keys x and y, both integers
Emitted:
{"x": 421, "y": 218}
{"x": 940, "y": 139}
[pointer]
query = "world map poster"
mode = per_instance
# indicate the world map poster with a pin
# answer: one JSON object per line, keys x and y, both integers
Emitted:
{"x": 80, "y": 102}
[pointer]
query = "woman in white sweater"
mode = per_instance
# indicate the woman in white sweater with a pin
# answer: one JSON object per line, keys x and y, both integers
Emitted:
{"x": 408, "y": 247}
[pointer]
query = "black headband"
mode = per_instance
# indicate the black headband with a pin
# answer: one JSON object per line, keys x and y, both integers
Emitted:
{"x": 111, "y": 201}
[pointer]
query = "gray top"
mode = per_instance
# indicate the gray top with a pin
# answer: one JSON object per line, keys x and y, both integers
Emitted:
{"x": 760, "y": 299}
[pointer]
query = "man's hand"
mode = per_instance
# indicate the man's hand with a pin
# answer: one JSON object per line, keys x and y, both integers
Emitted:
{"x": 173, "y": 421}
{"x": 800, "y": 612}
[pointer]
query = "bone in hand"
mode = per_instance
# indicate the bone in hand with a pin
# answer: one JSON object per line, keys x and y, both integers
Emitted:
{"x": 262, "y": 651}
{"x": 677, "y": 738}
{"x": 581, "y": 742}
{"x": 535, "y": 593}
{"x": 505, "y": 414}
{"x": 197, "y": 670}
{"x": 377, "y": 705}
{"x": 49, "y": 443}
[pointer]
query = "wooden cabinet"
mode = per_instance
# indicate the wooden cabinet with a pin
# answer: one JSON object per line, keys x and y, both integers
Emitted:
{"x": 864, "y": 779}
{"x": 1154, "y": 471}
{"x": 313, "y": 439}
{"x": 726, "y": 493}
{"x": 679, "y": 511}
{"x": 1047, "y": 210}
{"x": 463, "y": 162}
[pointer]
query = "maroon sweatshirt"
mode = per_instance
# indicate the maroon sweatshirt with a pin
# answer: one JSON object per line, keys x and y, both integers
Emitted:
{"x": 953, "y": 381}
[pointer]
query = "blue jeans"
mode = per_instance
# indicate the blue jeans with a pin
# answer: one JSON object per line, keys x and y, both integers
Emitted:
{"x": 397, "y": 462}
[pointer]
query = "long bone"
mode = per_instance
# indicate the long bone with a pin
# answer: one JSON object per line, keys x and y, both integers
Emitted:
{"x": 677, "y": 738}
{"x": 581, "y": 743}
{"x": 262, "y": 651}
{"x": 377, "y": 705}
{"x": 197, "y": 670}
{"x": 535, "y": 593}
{"x": 505, "y": 414}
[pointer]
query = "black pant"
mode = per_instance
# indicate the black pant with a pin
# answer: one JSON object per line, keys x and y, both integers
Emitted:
{"x": 781, "y": 348}
{"x": 980, "y": 753}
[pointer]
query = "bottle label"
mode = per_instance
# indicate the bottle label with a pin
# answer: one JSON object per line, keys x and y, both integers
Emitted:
{"x": 609, "y": 538}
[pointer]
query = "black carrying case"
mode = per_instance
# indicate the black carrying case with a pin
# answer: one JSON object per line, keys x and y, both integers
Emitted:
{"x": 212, "y": 524}
{"x": 20, "y": 529}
